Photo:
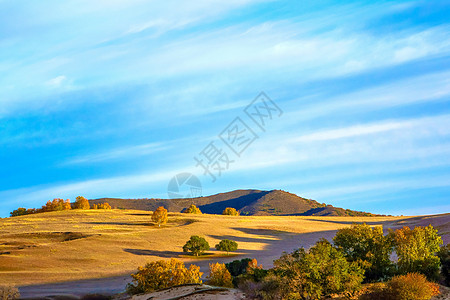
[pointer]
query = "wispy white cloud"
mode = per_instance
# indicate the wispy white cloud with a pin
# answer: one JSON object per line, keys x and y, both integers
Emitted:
{"x": 119, "y": 153}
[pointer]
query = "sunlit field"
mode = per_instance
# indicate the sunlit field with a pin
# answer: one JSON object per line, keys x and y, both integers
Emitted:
{"x": 76, "y": 244}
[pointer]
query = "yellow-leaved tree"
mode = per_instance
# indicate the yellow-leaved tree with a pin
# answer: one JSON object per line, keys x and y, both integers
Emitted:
{"x": 160, "y": 216}
{"x": 219, "y": 275}
{"x": 163, "y": 274}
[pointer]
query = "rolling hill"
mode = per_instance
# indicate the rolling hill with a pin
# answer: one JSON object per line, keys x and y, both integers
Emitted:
{"x": 249, "y": 202}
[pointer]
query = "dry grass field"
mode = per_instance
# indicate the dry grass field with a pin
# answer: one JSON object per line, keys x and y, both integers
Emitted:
{"x": 72, "y": 245}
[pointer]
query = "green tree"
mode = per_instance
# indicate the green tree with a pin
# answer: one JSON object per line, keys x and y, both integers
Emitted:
{"x": 193, "y": 210}
{"x": 230, "y": 211}
{"x": 21, "y": 211}
{"x": 163, "y": 274}
{"x": 227, "y": 246}
{"x": 416, "y": 250}
{"x": 360, "y": 242}
{"x": 197, "y": 245}
{"x": 81, "y": 203}
{"x": 444, "y": 256}
{"x": 319, "y": 272}
{"x": 160, "y": 216}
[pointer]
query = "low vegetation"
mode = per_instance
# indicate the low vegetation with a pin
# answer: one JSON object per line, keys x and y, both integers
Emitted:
{"x": 193, "y": 210}
{"x": 8, "y": 292}
{"x": 101, "y": 206}
{"x": 230, "y": 211}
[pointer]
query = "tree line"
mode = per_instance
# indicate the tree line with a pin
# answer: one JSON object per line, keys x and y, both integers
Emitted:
{"x": 59, "y": 204}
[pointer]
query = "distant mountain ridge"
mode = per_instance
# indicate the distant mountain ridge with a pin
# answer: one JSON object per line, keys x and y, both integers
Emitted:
{"x": 248, "y": 202}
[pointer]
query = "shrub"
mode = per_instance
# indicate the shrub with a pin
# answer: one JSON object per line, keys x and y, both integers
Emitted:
{"x": 160, "y": 216}
{"x": 416, "y": 250}
{"x": 219, "y": 275}
{"x": 360, "y": 242}
{"x": 9, "y": 292}
{"x": 412, "y": 286}
{"x": 320, "y": 272}
{"x": 444, "y": 256}
{"x": 230, "y": 211}
{"x": 163, "y": 274}
{"x": 238, "y": 267}
{"x": 193, "y": 210}
{"x": 227, "y": 245}
{"x": 196, "y": 244}
{"x": 270, "y": 288}
{"x": 101, "y": 206}
{"x": 81, "y": 203}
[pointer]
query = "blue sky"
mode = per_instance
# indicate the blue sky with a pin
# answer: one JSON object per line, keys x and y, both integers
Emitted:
{"x": 113, "y": 98}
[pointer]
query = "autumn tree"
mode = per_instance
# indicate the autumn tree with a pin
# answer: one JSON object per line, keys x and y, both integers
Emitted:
{"x": 163, "y": 274}
{"x": 319, "y": 272}
{"x": 197, "y": 245}
{"x": 227, "y": 246}
{"x": 230, "y": 211}
{"x": 21, "y": 211}
{"x": 219, "y": 275}
{"x": 193, "y": 210}
{"x": 416, "y": 250}
{"x": 56, "y": 204}
{"x": 360, "y": 242}
{"x": 160, "y": 216}
{"x": 81, "y": 203}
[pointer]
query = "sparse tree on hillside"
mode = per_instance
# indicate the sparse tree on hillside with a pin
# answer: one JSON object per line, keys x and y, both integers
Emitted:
{"x": 81, "y": 203}
{"x": 163, "y": 274}
{"x": 197, "y": 245}
{"x": 160, "y": 216}
{"x": 230, "y": 211}
{"x": 227, "y": 246}
{"x": 193, "y": 210}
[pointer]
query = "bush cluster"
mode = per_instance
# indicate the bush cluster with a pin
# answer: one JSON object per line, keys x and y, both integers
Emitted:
{"x": 193, "y": 210}
{"x": 101, "y": 206}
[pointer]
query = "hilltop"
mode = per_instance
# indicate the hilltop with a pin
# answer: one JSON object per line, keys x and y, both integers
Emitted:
{"x": 249, "y": 202}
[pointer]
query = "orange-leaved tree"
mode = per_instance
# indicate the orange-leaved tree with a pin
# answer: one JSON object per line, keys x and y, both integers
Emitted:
{"x": 160, "y": 216}
{"x": 81, "y": 203}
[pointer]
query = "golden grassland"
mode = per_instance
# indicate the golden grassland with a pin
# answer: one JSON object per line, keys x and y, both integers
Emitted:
{"x": 77, "y": 244}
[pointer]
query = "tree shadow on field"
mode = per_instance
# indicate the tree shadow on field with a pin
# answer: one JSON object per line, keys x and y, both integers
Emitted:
{"x": 146, "y": 252}
{"x": 274, "y": 242}
{"x": 121, "y": 223}
{"x": 353, "y": 222}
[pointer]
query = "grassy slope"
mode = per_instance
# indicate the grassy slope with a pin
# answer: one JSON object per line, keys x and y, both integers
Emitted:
{"x": 108, "y": 243}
